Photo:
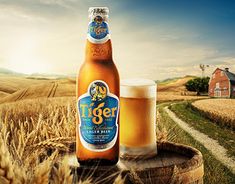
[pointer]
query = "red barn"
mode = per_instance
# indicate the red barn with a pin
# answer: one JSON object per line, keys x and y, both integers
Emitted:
{"x": 222, "y": 84}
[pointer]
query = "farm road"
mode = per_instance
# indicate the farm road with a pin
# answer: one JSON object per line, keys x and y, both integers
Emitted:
{"x": 212, "y": 145}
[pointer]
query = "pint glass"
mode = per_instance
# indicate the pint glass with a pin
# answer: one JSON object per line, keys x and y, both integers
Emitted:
{"x": 137, "y": 118}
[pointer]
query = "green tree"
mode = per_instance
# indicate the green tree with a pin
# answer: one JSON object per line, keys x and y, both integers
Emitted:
{"x": 199, "y": 85}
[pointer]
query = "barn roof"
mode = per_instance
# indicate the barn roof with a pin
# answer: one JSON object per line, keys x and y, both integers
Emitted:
{"x": 231, "y": 76}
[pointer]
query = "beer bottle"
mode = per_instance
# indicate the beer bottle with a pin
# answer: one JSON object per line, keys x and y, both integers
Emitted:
{"x": 97, "y": 134}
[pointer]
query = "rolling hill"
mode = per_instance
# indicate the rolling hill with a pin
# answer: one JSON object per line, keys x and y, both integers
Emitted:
{"x": 42, "y": 88}
{"x": 10, "y": 84}
{"x": 13, "y": 88}
{"x": 174, "y": 85}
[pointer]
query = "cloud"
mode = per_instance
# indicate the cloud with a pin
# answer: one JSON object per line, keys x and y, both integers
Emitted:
{"x": 42, "y": 8}
{"x": 58, "y": 30}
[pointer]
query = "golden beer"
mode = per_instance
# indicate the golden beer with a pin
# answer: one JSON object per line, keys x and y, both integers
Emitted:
{"x": 137, "y": 117}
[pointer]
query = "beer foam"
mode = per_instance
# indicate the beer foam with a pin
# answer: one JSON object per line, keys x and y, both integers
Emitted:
{"x": 138, "y": 88}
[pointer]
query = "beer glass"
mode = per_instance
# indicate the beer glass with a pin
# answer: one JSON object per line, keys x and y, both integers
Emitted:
{"x": 137, "y": 118}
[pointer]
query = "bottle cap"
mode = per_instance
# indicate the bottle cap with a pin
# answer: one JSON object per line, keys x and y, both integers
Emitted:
{"x": 101, "y": 11}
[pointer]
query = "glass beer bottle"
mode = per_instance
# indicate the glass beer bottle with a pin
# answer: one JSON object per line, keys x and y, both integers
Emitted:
{"x": 97, "y": 132}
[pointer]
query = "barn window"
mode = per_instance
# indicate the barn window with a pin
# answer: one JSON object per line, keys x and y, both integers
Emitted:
{"x": 221, "y": 73}
{"x": 217, "y": 85}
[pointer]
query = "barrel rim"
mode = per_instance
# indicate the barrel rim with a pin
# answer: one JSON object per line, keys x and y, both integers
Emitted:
{"x": 194, "y": 162}
{"x": 191, "y": 170}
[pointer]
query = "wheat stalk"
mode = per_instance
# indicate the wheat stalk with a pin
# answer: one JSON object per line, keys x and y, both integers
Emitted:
{"x": 6, "y": 166}
{"x": 9, "y": 172}
{"x": 87, "y": 181}
{"x": 42, "y": 171}
{"x": 28, "y": 133}
{"x": 48, "y": 144}
{"x": 119, "y": 180}
{"x": 62, "y": 174}
{"x": 135, "y": 178}
{"x": 62, "y": 139}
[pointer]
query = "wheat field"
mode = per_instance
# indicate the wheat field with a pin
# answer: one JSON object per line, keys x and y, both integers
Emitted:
{"x": 221, "y": 111}
{"x": 35, "y": 134}
{"x": 38, "y": 129}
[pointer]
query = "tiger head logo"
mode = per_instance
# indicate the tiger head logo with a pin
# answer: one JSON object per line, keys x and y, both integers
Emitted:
{"x": 98, "y": 19}
{"x": 98, "y": 91}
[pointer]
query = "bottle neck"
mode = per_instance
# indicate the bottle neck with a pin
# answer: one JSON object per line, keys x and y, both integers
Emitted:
{"x": 98, "y": 46}
{"x": 99, "y": 52}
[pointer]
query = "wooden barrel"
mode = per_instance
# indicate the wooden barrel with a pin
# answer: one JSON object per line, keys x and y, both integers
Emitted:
{"x": 174, "y": 163}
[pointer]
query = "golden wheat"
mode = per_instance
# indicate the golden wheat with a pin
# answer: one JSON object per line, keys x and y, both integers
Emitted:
{"x": 6, "y": 166}
{"x": 119, "y": 180}
{"x": 30, "y": 127}
{"x": 30, "y": 131}
{"x": 62, "y": 173}
{"x": 176, "y": 96}
{"x": 9, "y": 172}
{"x": 50, "y": 145}
{"x": 42, "y": 171}
{"x": 221, "y": 111}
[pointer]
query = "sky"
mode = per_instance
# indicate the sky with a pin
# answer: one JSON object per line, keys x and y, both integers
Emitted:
{"x": 155, "y": 39}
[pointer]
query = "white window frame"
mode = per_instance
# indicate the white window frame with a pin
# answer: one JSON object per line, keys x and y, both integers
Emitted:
{"x": 217, "y": 92}
{"x": 221, "y": 73}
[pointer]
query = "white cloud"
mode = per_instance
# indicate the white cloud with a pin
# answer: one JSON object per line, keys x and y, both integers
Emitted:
{"x": 59, "y": 28}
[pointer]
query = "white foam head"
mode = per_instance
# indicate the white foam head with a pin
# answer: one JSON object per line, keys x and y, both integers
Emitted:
{"x": 138, "y": 88}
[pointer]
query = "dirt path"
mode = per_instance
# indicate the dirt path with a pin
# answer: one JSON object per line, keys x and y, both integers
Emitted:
{"x": 212, "y": 145}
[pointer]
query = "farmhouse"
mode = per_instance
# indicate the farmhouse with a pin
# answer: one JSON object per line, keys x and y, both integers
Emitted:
{"x": 222, "y": 84}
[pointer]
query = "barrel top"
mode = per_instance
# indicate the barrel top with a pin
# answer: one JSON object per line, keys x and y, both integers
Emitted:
{"x": 169, "y": 155}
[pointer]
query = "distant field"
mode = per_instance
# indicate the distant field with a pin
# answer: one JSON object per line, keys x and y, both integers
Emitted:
{"x": 3, "y": 94}
{"x": 221, "y": 111}
{"x": 10, "y": 84}
{"x": 25, "y": 88}
{"x": 175, "y": 90}
{"x": 174, "y": 85}
{"x": 13, "y": 88}
{"x": 171, "y": 96}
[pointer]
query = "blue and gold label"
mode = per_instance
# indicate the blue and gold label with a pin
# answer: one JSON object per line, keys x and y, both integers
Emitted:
{"x": 98, "y": 31}
{"x": 98, "y": 111}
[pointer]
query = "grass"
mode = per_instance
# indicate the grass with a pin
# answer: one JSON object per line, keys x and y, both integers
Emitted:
{"x": 214, "y": 171}
{"x": 224, "y": 136}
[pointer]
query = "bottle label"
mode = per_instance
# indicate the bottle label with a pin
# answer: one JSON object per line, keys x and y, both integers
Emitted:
{"x": 98, "y": 111}
{"x": 98, "y": 31}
